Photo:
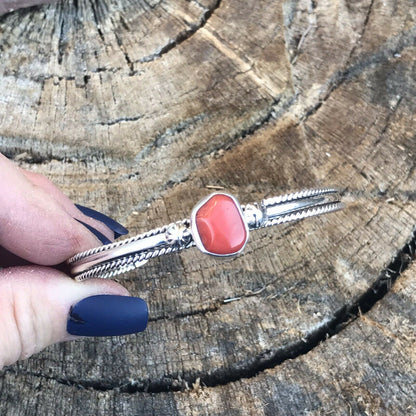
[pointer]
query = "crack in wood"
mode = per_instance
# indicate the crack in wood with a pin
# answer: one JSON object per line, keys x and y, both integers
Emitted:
{"x": 311, "y": 25}
{"x": 182, "y": 36}
{"x": 94, "y": 8}
{"x": 123, "y": 50}
{"x": 38, "y": 152}
{"x": 186, "y": 314}
{"x": 364, "y": 28}
{"x": 166, "y": 136}
{"x": 120, "y": 120}
{"x": 62, "y": 43}
{"x": 276, "y": 109}
{"x": 393, "y": 47}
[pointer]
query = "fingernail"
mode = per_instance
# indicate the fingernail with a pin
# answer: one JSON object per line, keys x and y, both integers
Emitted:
{"x": 107, "y": 315}
{"x": 116, "y": 227}
{"x": 99, "y": 235}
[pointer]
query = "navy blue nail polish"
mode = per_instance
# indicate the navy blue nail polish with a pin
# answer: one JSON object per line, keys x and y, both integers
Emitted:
{"x": 116, "y": 227}
{"x": 99, "y": 235}
{"x": 107, "y": 315}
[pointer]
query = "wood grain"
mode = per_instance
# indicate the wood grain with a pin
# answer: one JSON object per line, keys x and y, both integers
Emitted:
{"x": 138, "y": 108}
{"x": 8, "y": 6}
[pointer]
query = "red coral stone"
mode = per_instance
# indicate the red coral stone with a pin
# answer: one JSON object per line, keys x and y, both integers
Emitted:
{"x": 220, "y": 226}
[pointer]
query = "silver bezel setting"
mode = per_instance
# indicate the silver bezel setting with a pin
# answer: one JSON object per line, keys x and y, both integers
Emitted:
{"x": 194, "y": 230}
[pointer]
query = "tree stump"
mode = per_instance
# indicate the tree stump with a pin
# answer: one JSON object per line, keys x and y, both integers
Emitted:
{"x": 139, "y": 109}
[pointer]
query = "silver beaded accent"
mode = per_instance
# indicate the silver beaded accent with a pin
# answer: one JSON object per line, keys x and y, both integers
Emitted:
{"x": 178, "y": 235}
{"x": 253, "y": 215}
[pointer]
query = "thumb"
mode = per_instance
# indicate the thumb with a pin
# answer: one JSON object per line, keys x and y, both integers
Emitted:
{"x": 40, "y": 306}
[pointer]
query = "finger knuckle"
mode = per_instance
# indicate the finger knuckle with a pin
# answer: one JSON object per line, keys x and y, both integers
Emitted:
{"x": 19, "y": 339}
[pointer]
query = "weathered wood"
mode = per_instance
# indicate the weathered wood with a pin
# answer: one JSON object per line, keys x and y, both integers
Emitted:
{"x": 137, "y": 108}
{"x": 8, "y": 6}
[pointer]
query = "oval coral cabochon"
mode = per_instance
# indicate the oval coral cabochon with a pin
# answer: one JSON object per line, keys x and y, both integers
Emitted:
{"x": 220, "y": 226}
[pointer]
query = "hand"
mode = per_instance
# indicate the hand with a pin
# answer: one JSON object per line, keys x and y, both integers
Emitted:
{"x": 39, "y": 305}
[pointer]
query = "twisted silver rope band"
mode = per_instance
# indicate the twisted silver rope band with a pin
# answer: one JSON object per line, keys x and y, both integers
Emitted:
{"x": 306, "y": 213}
{"x": 100, "y": 249}
{"x": 113, "y": 259}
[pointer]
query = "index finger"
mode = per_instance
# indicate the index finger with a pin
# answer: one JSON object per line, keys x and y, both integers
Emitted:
{"x": 33, "y": 224}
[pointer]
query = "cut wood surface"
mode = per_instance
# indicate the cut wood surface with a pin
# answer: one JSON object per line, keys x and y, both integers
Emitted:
{"x": 139, "y": 109}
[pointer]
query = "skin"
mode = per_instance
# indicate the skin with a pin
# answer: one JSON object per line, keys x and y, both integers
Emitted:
{"x": 37, "y": 230}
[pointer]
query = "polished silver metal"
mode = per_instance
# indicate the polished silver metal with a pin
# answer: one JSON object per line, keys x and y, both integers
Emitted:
{"x": 113, "y": 259}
